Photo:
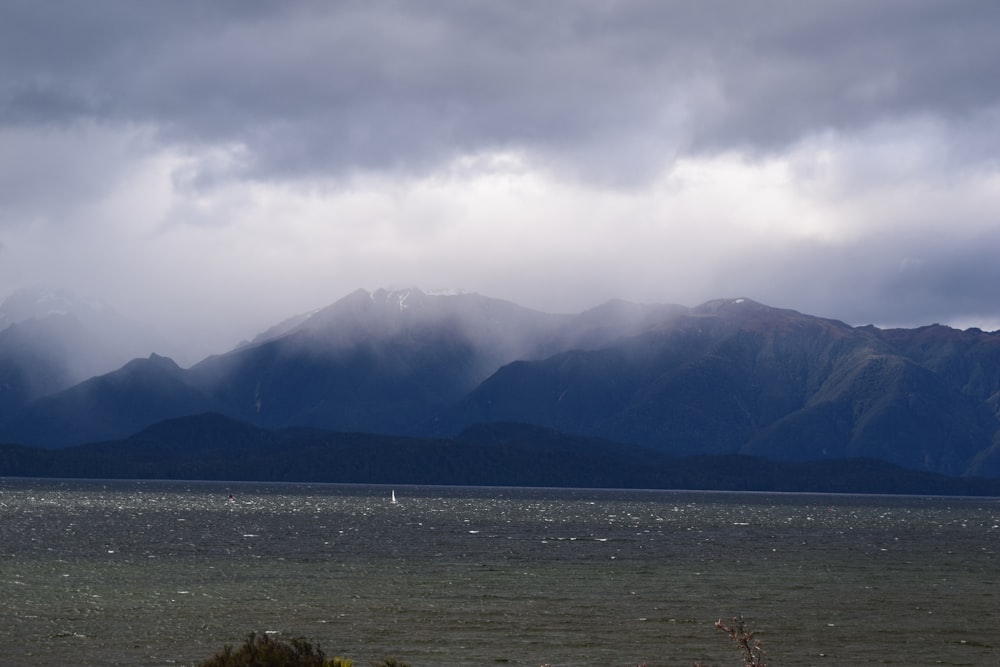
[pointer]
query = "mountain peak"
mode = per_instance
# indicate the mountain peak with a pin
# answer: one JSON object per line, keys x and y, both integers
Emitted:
{"x": 401, "y": 299}
{"x": 390, "y": 309}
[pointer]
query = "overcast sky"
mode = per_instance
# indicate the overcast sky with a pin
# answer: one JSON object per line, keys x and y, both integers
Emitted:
{"x": 214, "y": 167}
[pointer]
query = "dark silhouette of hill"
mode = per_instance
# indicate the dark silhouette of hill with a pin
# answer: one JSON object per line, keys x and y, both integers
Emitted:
{"x": 731, "y": 377}
{"x": 738, "y": 377}
{"x": 142, "y": 392}
{"x": 385, "y": 362}
{"x": 381, "y": 361}
{"x": 214, "y": 447}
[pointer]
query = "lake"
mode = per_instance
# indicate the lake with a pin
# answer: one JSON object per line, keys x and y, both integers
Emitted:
{"x": 166, "y": 573}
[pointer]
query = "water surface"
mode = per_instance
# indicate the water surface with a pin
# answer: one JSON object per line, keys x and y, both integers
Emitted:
{"x": 165, "y": 573}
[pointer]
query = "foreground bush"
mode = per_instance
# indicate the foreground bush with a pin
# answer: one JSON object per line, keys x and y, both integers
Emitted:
{"x": 263, "y": 651}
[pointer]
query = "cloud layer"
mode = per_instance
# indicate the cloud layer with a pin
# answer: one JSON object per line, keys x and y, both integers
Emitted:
{"x": 215, "y": 167}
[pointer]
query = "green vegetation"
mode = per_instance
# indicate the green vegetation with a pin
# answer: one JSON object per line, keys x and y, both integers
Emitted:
{"x": 264, "y": 651}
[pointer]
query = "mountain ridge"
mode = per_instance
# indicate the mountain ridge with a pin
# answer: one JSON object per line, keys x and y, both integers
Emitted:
{"x": 727, "y": 377}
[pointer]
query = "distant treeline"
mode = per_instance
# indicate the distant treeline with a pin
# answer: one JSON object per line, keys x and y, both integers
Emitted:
{"x": 213, "y": 447}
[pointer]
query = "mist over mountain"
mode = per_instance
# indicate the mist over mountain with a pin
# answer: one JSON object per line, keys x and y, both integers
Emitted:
{"x": 729, "y": 377}
{"x": 734, "y": 376}
{"x": 53, "y": 339}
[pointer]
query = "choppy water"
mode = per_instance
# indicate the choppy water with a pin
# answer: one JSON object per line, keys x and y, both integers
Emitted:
{"x": 151, "y": 573}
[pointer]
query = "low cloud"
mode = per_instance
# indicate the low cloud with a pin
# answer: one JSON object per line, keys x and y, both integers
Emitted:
{"x": 215, "y": 168}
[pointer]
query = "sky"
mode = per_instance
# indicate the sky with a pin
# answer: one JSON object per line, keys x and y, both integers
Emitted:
{"x": 211, "y": 168}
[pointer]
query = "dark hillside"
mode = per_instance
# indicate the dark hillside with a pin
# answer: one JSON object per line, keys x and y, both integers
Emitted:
{"x": 213, "y": 447}
{"x": 739, "y": 377}
{"x": 142, "y": 392}
{"x": 731, "y": 376}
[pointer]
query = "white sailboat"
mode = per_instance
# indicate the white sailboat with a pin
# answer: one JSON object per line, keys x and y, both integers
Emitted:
{"x": 393, "y": 500}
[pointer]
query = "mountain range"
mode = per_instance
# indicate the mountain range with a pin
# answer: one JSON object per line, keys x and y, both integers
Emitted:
{"x": 731, "y": 377}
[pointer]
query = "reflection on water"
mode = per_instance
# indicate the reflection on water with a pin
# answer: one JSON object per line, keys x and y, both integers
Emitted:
{"x": 145, "y": 573}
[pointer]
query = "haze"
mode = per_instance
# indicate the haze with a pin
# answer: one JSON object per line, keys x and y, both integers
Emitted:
{"x": 212, "y": 168}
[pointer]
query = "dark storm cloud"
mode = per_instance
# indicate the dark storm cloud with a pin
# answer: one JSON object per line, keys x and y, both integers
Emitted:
{"x": 958, "y": 282}
{"x": 899, "y": 279}
{"x": 327, "y": 86}
{"x": 837, "y": 157}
